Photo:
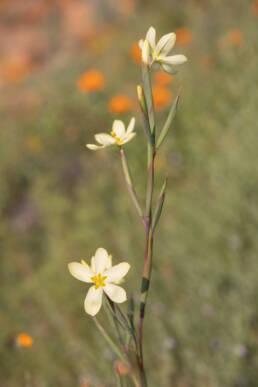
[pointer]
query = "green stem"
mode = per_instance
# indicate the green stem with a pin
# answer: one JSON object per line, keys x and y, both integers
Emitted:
{"x": 108, "y": 339}
{"x": 146, "y": 78}
{"x": 119, "y": 380}
{"x": 122, "y": 344}
{"x": 130, "y": 185}
{"x": 146, "y": 276}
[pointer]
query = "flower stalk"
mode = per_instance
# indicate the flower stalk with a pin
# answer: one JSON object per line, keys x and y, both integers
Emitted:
{"x": 130, "y": 185}
{"x": 104, "y": 278}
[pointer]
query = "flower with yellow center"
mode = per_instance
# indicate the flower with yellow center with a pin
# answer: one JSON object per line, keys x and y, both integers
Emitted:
{"x": 118, "y": 135}
{"x": 158, "y": 53}
{"x": 105, "y": 278}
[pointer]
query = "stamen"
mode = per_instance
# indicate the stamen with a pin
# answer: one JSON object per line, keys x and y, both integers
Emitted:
{"x": 99, "y": 281}
{"x": 118, "y": 140}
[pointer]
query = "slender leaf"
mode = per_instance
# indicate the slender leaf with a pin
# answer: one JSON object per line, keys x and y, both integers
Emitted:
{"x": 159, "y": 206}
{"x": 169, "y": 120}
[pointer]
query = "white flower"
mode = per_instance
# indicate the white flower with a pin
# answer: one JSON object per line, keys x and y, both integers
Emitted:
{"x": 159, "y": 52}
{"x": 104, "y": 276}
{"x": 118, "y": 135}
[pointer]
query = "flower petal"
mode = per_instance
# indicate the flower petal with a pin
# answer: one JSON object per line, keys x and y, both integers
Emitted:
{"x": 94, "y": 147}
{"x": 118, "y": 128}
{"x": 173, "y": 60}
{"x": 102, "y": 260}
{"x": 80, "y": 272}
{"x": 130, "y": 127}
{"x": 146, "y": 52}
{"x": 166, "y": 43}
{"x": 115, "y": 293}
{"x": 109, "y": 261}
{"x": 151, "y": 37}
{"x": 104, "y": 139}
{"x": 140, "y": 43}
{"x": 117, "y": 272}
{"x": 93, "y": 300}
{"x": 169, "y": 69}
{"x": 128, "y": 138}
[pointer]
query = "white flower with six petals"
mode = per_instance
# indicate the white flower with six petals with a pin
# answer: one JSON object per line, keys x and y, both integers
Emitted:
{"x": 118, "y": 135}
{"x": 158, "y": 53}
{"x": 104, "y": 276}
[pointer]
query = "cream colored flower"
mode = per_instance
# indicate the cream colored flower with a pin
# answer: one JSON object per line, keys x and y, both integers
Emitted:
{"x": 158, "y": 53}
{"x": 104, "y": 276}
{"x": 118, "y": 135}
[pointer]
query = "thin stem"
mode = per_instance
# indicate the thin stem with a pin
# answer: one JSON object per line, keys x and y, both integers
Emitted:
{"x": 130, "y": 185}
{"x": 146, "y": 276}
{"x": 108, "y": 339}
{"x": 119, "y": 379}
{"x": 122, "y": 344}
{"x": 146, "y": 78}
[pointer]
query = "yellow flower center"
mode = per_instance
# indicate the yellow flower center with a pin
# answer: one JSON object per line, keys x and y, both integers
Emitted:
{"x": 99, "y": 281}
{"x": 118, "y": 141}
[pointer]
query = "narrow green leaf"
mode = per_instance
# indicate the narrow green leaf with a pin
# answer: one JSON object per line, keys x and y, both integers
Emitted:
{"x": 119, "y": 380}
{"x": 169, "y": 120}
{"x": 130, "y": 312}
{"x": 144, "y": 115}
{"x": 108, "y": 339}
{"x": 159, "y": 206}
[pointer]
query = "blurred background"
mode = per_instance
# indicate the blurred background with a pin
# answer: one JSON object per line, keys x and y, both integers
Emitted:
{"x": 68, "y": 68}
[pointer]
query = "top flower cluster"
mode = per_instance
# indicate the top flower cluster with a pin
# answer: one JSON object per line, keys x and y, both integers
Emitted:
{"x": 158, "y": 53}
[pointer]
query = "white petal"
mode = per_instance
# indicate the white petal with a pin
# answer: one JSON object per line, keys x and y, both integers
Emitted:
{"x": 117, "y": 272}
{"x": 119, "y": 128}
{"x": 140, "y": 43}
{"x": 166, "y": 43}
{"x": 173, "y": 60}
{"x": 151, "y": 37}
{"x": 130, "y": 127}
{"x": 168, "y": 68}
{"x": 104, "y": 139}
{"x": 80, "y": 272}
{"x": 146, "y": 52}
{"x": 109, "y": 261}
{"x": 93, "y": 300}
{"x": 128, "y": 138}
{"x": 93, "y": 267}
{"x": 102, "y": 260}
{"x": 95, "y": 147}
{"x": 115, "y": 293}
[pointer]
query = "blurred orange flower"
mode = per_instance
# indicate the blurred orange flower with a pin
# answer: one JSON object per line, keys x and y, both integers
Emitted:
{"x": 254, "y": 7}
{"x": 161, "y": 97}
{"x": 122, "y": 368}
{"x": 90, "y": 81}
{"x": 183, "y": 36}
{"x": 235, "y": 37}
{"x": 163, "y": 79}
{"x": 15, "y": 68}
{"x": 136, "y": 53}
{"x": 24, "y": 340}
{"x": 120, "y": 104}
